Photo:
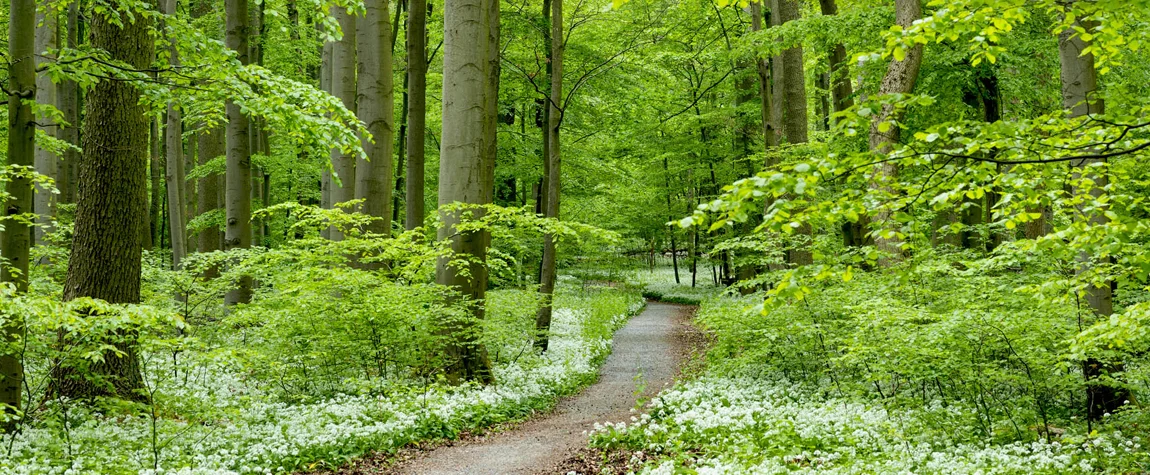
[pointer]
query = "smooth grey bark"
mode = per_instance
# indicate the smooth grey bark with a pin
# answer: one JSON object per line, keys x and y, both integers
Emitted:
{"x": 416, "y": 112}
{"x": 777, "y": 74}
{"x": 554, "y": 161}
{"x": 899, "y": 79}
{"x": 1079, "y": 79}
{"x": 466, "y": 170}
{"x": 174, "y": 164}
{"x": 45, "y": 161}
{"x": 376, "y": 108}
{"x": 16, "y": 237}
{"x": 211, "y": 144}
{"x": 68, "y": 94}
{"x": 325, "y": 85}
{"x": 106, "y": 249}
{"x": 343, "y": 66}
{"x": 238, "y": 178}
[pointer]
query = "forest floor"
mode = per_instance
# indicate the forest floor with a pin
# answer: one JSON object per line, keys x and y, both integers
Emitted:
{"x": 646, "y": 357}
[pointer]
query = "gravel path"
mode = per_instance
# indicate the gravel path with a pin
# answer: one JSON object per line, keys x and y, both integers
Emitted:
{"x": 652, "y": 345}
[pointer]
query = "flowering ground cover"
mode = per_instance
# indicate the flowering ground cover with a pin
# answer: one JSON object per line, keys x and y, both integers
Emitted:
{"x": 215, "y": 418}
{"x": 866, "y": 377}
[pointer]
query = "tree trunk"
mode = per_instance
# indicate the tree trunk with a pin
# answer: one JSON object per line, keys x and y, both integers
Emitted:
{"x": 325, "y": 85}
{"x": 238, "y": 190}
{"x": 840, "y": 82}
{"x": 15, "y": 239}
{"x": 770, "y": 136}
{"x": 1079, "y": 88}
{"x": 465, "y": 175}
{"x": 554, "y": 159}
{"x": 416, "y": 111}
{"x": 778, "y": 75}
{"x": 174, "y": 166}
{"x": 152, "y": 220}
{"x": 45, "y": 161}
{"x": 795, "y": 113}
{"x": 211, "y": 145}
{"x": 376, "y": 106}
{"x": 69, "y": 97}
{"x": 671, "y": 227}
{"x": 343, "y": 87}
{"x": 105, "y": 262}
{"x": 900, "y": 79}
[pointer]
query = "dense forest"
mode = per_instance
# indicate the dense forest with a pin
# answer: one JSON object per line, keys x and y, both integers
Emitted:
{"x": 584, "y": 236}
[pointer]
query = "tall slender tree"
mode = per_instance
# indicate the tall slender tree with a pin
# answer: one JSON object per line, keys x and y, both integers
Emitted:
{"x": 376, "y": 108}
{"x": 416, "y": 111}
{"x": 1079, "y": 78}
{"x": 68, "y": 94}
{"x": 106, "y": 248}
{"x": 554, "y": 159}
{"x": 900, "y": 78}
{"x": 211, "y": 144}
{"x": 238, "y": 199}
{"x": 343, "y": 66}
{"x": 466, "y": 169}
{"x": 174, "y": 162}
{"x": 794, "y": 110}
{"x": 15, "y": 238}
{"x": 45, "y": 200}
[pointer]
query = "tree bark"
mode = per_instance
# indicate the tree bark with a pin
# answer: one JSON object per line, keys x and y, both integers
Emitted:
{"x": 343, "y": 66}
{"x": 376, "y": 107}
{"x": 416, "y": 111}
{"x": 174, "y": 165}
{"x": 778, "y": 75}
{"x": 763, "y": 67}
{"x": 839, "y": 70}
{"x": 211, "y": 144}
{"x": 795, "y": 113}
{"x": 45, "y": 161}
{"x": 1079, "y": 88}
{"x": 466, "y": 169}
{"x": 237, "y": 200}
{"x": 154, "y": 201}
{"x": 900, "y": 79}
{"x": 106, "y": 249}
{"x": 554, "y": 159}
{"x": 69, "y": 97}
{"x": 15, "y": 239}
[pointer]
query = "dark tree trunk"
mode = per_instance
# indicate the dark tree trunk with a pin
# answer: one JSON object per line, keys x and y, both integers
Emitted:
{"x": 554, "y": 160}
{"x": 105, "y": 262}
{"x": 416, "y": 112}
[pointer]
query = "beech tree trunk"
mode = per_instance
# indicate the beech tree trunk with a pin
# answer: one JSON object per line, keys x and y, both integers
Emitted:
{"x": 68, "y": 94}
{"x": 325, "y": 85}
{"x": 238, "y": 191}
{"x": 1079, "y": 96}
{"x": 343, "y": 66}
{"x": 211, "y": 144}
{"x": 152, "y": 220}
{"x": 45, "y": 161}
{"x": 106, "y": 248}
{"x": 376, "y": 107}
{"x": 174, "y": 166}
{"x": 554, "y": 159}
{"x": 466, "y": 169}
{"x": 15, "y": 239}
{"x": 416, "y": 111}
{"x": 900, "y": 79}
{"x": 778, "y": 75}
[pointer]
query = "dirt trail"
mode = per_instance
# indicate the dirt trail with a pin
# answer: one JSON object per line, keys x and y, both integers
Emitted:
{"x": 652, "y": 344}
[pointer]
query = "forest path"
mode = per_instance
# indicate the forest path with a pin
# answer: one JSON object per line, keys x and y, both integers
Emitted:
{"x": 647, "y": 353}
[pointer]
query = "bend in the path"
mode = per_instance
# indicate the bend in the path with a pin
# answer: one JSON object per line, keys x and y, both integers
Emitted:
{"x": 646, "y": 351}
